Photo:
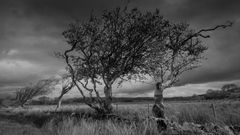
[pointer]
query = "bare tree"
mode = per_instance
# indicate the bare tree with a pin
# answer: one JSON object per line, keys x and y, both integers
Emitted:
{"x": 106, "y": 49}
{"x": 180, "y": 51}
{"x": 25, "y": 94}
{"x": 67, "y": 85}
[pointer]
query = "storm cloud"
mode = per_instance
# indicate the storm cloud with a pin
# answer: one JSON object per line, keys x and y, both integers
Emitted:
{"x": 30, "y": 33}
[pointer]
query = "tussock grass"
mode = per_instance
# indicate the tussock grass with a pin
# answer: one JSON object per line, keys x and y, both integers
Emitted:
{"x": 107, "y": 127}
{"x": 81, "y": 121}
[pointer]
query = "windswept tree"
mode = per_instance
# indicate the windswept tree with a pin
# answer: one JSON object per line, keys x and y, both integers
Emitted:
{"x": 25, "y": 94}
{"x": 106, "y": 49}
{"x": 66, "y": 86}
{"x": 180, "y": 51}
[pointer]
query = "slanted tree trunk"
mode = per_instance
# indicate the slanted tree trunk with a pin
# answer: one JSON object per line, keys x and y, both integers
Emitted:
{"x": 108, "y": 99}
{"x": 158, "y": 107}
{"x": 59, "y": 102}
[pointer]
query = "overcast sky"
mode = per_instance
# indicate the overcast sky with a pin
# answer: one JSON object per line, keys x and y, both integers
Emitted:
{"x": 30, "y": 32}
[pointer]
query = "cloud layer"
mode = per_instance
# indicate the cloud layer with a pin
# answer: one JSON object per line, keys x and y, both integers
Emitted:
{"x": 30, "y": 32}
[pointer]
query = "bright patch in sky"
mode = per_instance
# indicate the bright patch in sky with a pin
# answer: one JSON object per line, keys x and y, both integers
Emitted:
{"x": 10, "y": 52}
{"x": 18, "y": 68}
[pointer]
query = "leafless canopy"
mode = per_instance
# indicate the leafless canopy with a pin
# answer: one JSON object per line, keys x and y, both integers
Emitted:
{"x": 104, "y": 49}
{"x": 180, "y": 51}
{"x": 23, "y": 95}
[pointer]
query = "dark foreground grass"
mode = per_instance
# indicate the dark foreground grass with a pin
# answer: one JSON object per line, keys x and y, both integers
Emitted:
{"x": 132, "y": 119}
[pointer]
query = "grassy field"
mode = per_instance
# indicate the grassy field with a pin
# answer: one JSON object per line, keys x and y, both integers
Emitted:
{"x": 80, "y": 120}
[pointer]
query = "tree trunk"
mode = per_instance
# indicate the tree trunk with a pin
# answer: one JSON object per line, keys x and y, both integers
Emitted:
{"x": 158, "y": 107}
{"x": 108, "y": 99}
{"x": 59, "y": 102}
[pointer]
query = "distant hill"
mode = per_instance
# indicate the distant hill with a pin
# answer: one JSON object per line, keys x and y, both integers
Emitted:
{"x": 233, "y": 93}
{"x": 228, "y": 91}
